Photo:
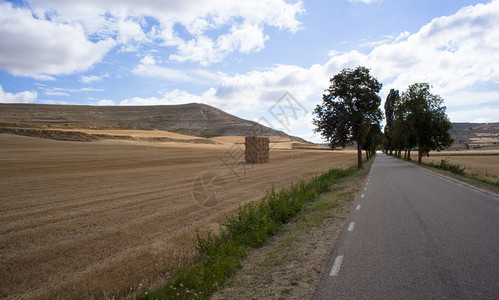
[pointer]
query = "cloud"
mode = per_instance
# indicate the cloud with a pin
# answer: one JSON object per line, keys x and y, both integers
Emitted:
{"x": 214, "y": 30}
{"x": 36, "y": 47}
{"x": 485, "y": 114}
{"x": 106, "y": 102}
{"x": 174, "y": 97}
{"x": 93, "y": 78}
{"x": 245, "y": 38}
{"x": 148, "y": 68}
{"x": 21, "y": 97}
{"x": 452, "y": 53}
{"x": 58, "y": 91}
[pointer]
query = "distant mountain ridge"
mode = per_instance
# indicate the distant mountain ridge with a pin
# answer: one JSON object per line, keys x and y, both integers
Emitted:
{"x": 475, "y": 135}
{"x": 192, "y": 119}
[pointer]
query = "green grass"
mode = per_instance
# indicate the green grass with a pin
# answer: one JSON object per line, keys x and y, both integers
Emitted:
{"x": 221, "y": 255}
{"x": 445, "y": 165}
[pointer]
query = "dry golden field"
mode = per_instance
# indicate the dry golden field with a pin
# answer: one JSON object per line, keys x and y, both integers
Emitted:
{"x": 97, "y": 219}
{"x": 481, "y": 163}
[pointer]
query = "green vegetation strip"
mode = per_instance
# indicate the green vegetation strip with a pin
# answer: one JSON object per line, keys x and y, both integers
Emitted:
{"x": 221, "y": 255}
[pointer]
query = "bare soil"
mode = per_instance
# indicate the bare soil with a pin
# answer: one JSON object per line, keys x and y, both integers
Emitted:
{"x": 99, "y": 219}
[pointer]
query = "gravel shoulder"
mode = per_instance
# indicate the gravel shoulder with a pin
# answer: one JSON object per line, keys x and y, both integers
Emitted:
{"x": 289, "y": 265}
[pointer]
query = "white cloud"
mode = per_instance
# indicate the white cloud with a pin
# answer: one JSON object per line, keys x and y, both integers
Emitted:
{"x": 106, "y": 102}
{"x": 244, "y": 19}
{"x": 452, "y": 53}
{"x": 174, "y": 97}
{"x": 37, "y": 47}
{"x": 475, "y": 115}
{"x": 21, "y": 97}
{"x": 93, "y": 78}
{"x": 148, "y": 68}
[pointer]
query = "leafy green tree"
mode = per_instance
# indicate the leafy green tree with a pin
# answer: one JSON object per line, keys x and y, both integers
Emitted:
{"x": 350, "y": 106}
{"x": 373, "y": 140}
{"x": 392, "y": 100}
{"x": 401, "y": 134}
{"x": 426, "y": 118}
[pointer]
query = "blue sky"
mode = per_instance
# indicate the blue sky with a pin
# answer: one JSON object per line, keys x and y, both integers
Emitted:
{"x": 255, "y": 59}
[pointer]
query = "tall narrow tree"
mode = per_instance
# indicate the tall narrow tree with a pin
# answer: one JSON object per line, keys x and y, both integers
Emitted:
{"x": 350, "y": 106}
{"x": 392, "y": 100}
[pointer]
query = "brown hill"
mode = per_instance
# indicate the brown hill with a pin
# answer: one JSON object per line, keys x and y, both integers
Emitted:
{"x": 192, "y": 119}
{"x": 475, "y": 135}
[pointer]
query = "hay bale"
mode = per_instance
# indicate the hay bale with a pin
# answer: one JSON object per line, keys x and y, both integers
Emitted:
{"x": 257, "y": 150}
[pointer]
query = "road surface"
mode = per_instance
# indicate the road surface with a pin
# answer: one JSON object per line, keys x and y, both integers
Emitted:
{"x": 413, "y": 234}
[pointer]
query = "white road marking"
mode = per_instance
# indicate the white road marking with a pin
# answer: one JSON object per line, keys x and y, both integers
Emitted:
{"x": 358, "y": 207}
{"x": 362, "y": 196}
{"x": 365, "y": 189}
{"x": 350, "y": 227}
{"x": 336, "y": 266}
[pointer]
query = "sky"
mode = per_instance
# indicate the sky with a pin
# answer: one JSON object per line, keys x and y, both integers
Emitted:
{"x": 263, "y": 60}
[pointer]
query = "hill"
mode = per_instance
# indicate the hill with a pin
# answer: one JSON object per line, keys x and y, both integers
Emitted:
{"x": 475, "y": 135}
{"x": 191, "y": 119}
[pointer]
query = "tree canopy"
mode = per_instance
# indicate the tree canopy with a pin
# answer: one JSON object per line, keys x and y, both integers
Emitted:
{"x": 420, "y": 120}
{"x": 392, "y": 100}
{"x": 350, "y": 107}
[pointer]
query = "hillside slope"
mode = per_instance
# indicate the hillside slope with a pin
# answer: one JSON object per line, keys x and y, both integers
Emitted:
{"x": 191, "y": 119}
{"x": 475, "y": 135}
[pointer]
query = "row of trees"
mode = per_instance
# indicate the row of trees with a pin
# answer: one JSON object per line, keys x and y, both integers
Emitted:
{"x": 350, "y": 113}
{"x": 417, "y": 119}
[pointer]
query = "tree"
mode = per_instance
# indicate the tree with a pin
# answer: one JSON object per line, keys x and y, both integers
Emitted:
{"x": 373, "y": 140}
{"x": 392, "y": 100}
{"x": 350, "y": 106}
{"x": 426, "y": 118}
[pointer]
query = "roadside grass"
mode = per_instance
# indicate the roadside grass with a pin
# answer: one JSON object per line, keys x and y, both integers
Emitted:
{"x": 290, "y": 263}
{"x": 457, "y": 171}
{"x": 220, "y": 255}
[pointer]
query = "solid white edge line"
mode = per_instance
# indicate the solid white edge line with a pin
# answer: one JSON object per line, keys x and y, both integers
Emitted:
{"x": 336, "y": 266}
{"x": 350, "y": 226}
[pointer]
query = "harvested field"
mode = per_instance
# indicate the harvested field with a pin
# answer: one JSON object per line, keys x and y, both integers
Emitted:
{"x": 83, "y": 220}
{"x": 481, "y": 164}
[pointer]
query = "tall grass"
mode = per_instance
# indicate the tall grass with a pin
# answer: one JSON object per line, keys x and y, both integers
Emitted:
{"x": 445, "y": 165}
{"x": 221, "y": 255}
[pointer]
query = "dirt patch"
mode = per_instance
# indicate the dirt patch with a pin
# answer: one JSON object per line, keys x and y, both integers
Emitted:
{"x": 290, "y": 264}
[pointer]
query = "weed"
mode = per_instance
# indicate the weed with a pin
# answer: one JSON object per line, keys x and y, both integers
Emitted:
{"x": 445, "y": 165}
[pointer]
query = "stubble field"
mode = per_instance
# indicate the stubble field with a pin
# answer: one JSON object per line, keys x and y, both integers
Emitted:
{"x": 481, "y": 164}
{"x": 94, "y": 220}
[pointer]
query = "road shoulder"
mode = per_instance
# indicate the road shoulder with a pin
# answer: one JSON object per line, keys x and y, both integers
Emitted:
{"x": 289, "y": 265}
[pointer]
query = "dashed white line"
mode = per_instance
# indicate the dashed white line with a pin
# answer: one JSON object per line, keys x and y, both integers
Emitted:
{"x": 362, "y": 196}
{"x": 350, "y": 227}
{"x": 365, "y": 189}
{"x": 358, "y": 207}
{"x": 336, "y": 266}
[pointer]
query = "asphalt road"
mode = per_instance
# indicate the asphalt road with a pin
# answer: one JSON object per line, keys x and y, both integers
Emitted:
{"x": 413, "y": 234}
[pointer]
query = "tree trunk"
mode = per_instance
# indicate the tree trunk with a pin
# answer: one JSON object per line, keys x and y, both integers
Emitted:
{"x": 409, "y": 154}
{"x": 420, "y": 155}
{"x": 359, "y": 156}
{"x": 405, "y": 154}
{"x": 367, "y": 154}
